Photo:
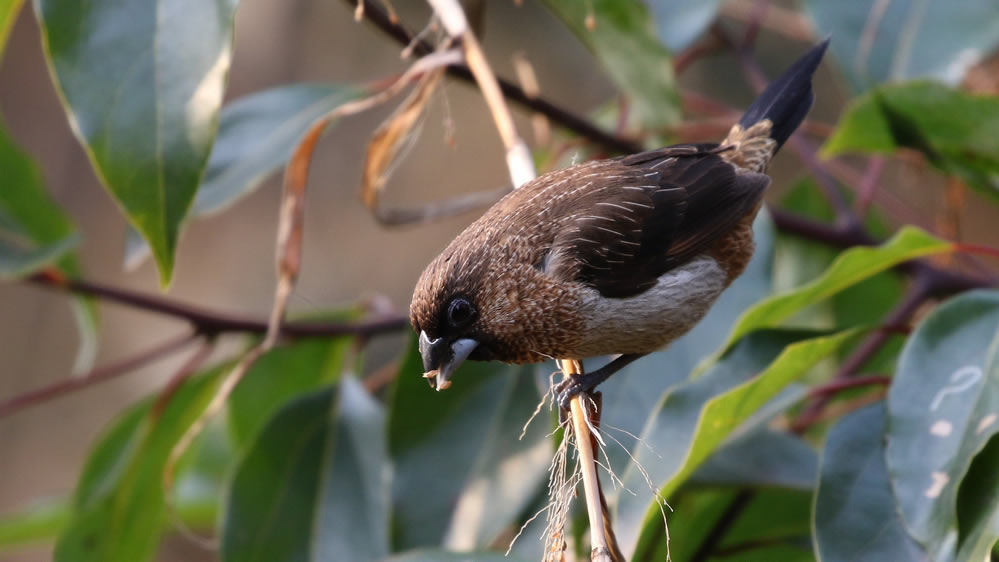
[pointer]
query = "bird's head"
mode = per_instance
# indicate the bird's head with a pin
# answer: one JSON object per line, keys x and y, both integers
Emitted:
{"x": 450, "y": 312}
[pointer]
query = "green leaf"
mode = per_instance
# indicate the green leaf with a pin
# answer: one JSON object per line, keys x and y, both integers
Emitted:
{"x": 631, "y": 395}
{"x": 761, "y": 458}
{"x": 942, "y": 410}
{"x": 978, "y": 505}
{"x": 32, "y": 215}
{"x": 772, "y": 526}
{"x": 450, "y": 450}
{"x": 36, "y": 523}
{"x": 855, "y": 517}
{"x": 17, "y": 261}
{"x": 622, "y": 39}
{"x": 143, "y": 83}
{"x": 257, "y": 134}
{"x": 850, "y": 268}
{"x": 776, "y": 525}
{"x": 34, "y": 230}
{"x": 118, "y": 506}
{"x": 314, "y": 484}
{"x": 954, "y": 129}
{"x": 278, "y": 376}
{"x": 695, "y": 418}
{"x": 8, "y": 14}
{"x": 908, "y": 39}
{"x": 681, "y": 22}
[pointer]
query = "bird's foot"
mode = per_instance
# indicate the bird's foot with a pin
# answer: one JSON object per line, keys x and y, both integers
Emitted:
{"x": 575, "y": 385}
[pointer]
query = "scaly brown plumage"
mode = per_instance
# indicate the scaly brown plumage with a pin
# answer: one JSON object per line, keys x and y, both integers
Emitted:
{"x": 617, "y": 256}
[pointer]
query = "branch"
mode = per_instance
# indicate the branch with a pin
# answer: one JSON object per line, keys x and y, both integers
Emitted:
{"x": 518, "y": 157}
{"x": 376, "y": 15}
{"x": 918, "y": 293}
{"x": 211, "y": 322}
{"x": 841, "y": 385}
{"x": 100, "y": 374}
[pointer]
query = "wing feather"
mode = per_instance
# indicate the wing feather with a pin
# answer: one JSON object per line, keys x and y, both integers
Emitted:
{"x": 652, "y": 212}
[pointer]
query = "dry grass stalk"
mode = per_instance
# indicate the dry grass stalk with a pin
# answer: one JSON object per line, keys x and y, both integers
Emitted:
{"x": 289, "y": 241}
{"x": 518, "y": 157}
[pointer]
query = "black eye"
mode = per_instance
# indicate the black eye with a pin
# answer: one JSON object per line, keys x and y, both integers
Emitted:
{"x": 460, "y": 312}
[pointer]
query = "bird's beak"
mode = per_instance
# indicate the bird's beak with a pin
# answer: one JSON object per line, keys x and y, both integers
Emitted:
{"x": 441, "y": 358}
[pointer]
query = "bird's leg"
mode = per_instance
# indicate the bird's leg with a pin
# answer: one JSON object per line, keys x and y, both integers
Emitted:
{"x": 571, "y": 386}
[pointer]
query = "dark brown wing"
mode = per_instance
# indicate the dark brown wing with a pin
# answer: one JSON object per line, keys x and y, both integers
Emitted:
{"x": 651, "y": 212}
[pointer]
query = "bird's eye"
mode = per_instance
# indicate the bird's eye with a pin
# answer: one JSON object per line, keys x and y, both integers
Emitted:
{"x": 460, "y": 313}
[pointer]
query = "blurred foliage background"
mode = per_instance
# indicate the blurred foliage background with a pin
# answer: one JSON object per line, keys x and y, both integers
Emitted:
{"x": 461, "y": 479}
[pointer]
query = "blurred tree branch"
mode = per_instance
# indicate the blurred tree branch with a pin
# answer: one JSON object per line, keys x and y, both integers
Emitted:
{"x": 211, "y": 322}
{"x": 100, "y": 374}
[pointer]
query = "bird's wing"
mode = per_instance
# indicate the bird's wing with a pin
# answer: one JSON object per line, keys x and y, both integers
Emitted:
{"x": 649, "y": 213}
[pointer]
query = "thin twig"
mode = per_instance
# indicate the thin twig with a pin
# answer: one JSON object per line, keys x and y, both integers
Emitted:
{"x": 778, "y": 19}
{"x": 511, "y": 91}
{"x": 291, "y": 224}
{"x": 836, "y": 386}
{"x": 600, "y": 549}
{"x": 920, "y": 290}
{"x": 189, "y": 367}
{"x": 100, "y": 374}
{"x": 518, "y": 157}
{"x": 212, "y": 322}
{"x": 868, "y": 184}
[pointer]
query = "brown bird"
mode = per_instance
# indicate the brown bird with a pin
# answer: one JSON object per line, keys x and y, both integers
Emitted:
{"x": 611, "y": 257}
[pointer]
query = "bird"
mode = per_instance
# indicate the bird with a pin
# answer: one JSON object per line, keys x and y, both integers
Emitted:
{"x": 618, "y": 256}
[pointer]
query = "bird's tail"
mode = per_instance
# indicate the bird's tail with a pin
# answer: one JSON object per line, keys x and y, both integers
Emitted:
{"x": 776, "y": 113}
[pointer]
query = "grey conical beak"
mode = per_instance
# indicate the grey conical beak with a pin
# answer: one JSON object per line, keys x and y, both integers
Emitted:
{"x": 441, "y": 358}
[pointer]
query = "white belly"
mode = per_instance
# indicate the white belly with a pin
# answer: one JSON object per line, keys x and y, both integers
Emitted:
{"x": 649, "y": 321}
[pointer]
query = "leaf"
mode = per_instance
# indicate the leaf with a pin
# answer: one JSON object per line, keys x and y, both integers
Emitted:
{"x": 256, "y": 136}
{"x": 34, "y": 216}
{"x": 772, "y": 526}
{"x": 118, "y": 506}
{"x": 631, "y": 395}
{"x": 143, "y": 83}
{"x": 8, "y": 14}
{"x": 942, "y": 409}
{"x": 17, "y": 261}
{"x": 680, "y": 22}
{"x": 953, "y": 129}
{"x": 36, "y": 523}
{"x": 621, "y": 38}
{"x": 693, "y": 419}
{"x": 779, "y": 519}
{"x": 854, "y": 516}
{"x": 452, "y": 452}
{"x": 978, "y": 505}
{"x": 278, "y": 376}
{"x": 880, "y": 41}
{"x": 761, "y": 458}
{"x": 34, "y": 230}
{"x": 314, "y": 484}
{"x": 850, "y": 268}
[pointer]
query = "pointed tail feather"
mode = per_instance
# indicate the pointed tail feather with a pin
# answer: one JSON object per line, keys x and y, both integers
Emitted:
{"x": 787, "y": 99}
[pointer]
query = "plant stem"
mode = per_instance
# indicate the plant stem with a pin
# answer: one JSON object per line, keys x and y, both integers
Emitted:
{"x": 376, "y": 15}
{"x": 210, "y": 322}
{"x": 100, "y": 374}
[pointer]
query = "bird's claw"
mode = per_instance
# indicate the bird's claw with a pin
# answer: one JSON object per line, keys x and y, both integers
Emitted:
{"x": 568, "y": 389}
